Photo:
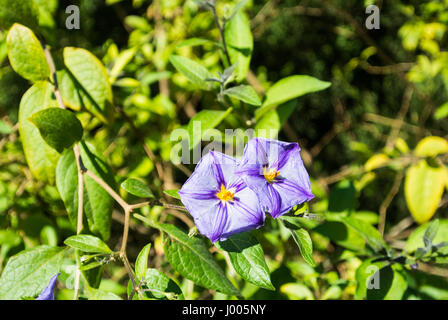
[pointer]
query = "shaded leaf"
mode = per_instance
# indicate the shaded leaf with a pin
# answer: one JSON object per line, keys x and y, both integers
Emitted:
{"x": 98, "y": 204}
{"x": 58, "y": 127}
{"x": 92, "y": 82}
{"x": 370, "y": 234}
{"x": 41, "y": 158}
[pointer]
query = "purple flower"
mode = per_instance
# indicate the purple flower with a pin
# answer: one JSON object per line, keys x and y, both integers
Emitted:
{"x": 219, "y": 200}
{"x": 275, "y": 171}
{"x": 48, "y": 294}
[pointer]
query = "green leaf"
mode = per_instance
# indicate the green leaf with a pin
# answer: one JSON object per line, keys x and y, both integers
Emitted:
{"x": 98, "y": 204}
{"x": 237, "y": 7}
{"x": 47, "y": 11}
{"x": 92, "y": 82}
{"x": 247, "y": 257}
{"x": 272, "y": 121}
{"x": 240, "y": 43}
{"x": 91, "y": 265}
{"x": 332, "y": 293}
{"x": 388, "y": 284}
{"x": 376, "y": 161}
{"x": 41, "y": 158}
{"x": 370, "y": 234}
{"x": 4, "y": 128}
{"x": 27, "y": 273}
{"x": 58, "y": 127}
{"x": 25, "y": 12}
{"x": 141, "y": 264}
{"x": 137, "y": 188}
{"x": 431, "y": 147}
{"x": 26, "y": 55}
{"x": 49, "y": 236}
{"x": 121, "y": 61}
{"x": 342, "y": 198}
{"x": 192, "y": 70}
{"x": 441, "y": 112}
{"x": 193, "y": 42}
{"x": 95, "y": 294}
{"x": 392, "y": 284}
{"x": 416, "y": 239}
{"x": 423, "y": 189}
{"x": 297, "y": 291}
{"x": 290, "y": 88}
{"x": 10, "y": 238}
{"x": 190, "y": 257}
{"x": 88, "y": 243}
{"x": 303, "y": 241}
{"x": 72, "y": 93}
{"x": 203, "y": 121}
{"x": 342, "y": 235}
{"x": 430, "y": 233}
{"x": 172, "y": 193}
{"x": 159, "y": 286}
{"x": 244, "y": 93}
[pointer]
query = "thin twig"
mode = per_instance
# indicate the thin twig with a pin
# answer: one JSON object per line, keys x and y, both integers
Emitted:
{"x": 221, "y": 32}
{"x": 109, "y": 190}
{"x": 140, "y": 136}
{"x": 400, "y": 117}
{"x": 387, "y": 201}
{"x": 124, "y": 240}
{"x": 128, "y": 267}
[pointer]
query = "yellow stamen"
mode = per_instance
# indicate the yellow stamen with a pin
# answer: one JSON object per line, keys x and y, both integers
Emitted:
{"x": 225, "y": 195}
{"x": 270, "y": 174}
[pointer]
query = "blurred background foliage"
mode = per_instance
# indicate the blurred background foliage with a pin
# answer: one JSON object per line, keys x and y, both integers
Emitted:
{"x": 389, "y": 91}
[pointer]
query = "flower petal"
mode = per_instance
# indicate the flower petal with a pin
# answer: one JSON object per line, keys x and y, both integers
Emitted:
{"x": 211, "y": 222}
{"x": 225, "y": 169}
{"x": 291, "y": 195}
{"x": 290, "y": 188}
{"x": 294, "y": 170}
{"x": 47, "y": 293}
{"x": 211, "y": 215}
{"x": 203, "y": 179}
{"x": 275, "y": 201}
{"x": 244, "y": 214}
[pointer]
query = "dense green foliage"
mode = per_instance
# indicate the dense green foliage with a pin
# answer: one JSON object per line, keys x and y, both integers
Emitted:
{"x": 90, "y": 121}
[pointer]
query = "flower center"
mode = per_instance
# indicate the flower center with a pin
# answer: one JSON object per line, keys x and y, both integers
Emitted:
{"x": 270, "y": 174}
{"x": 226, "y": 195}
